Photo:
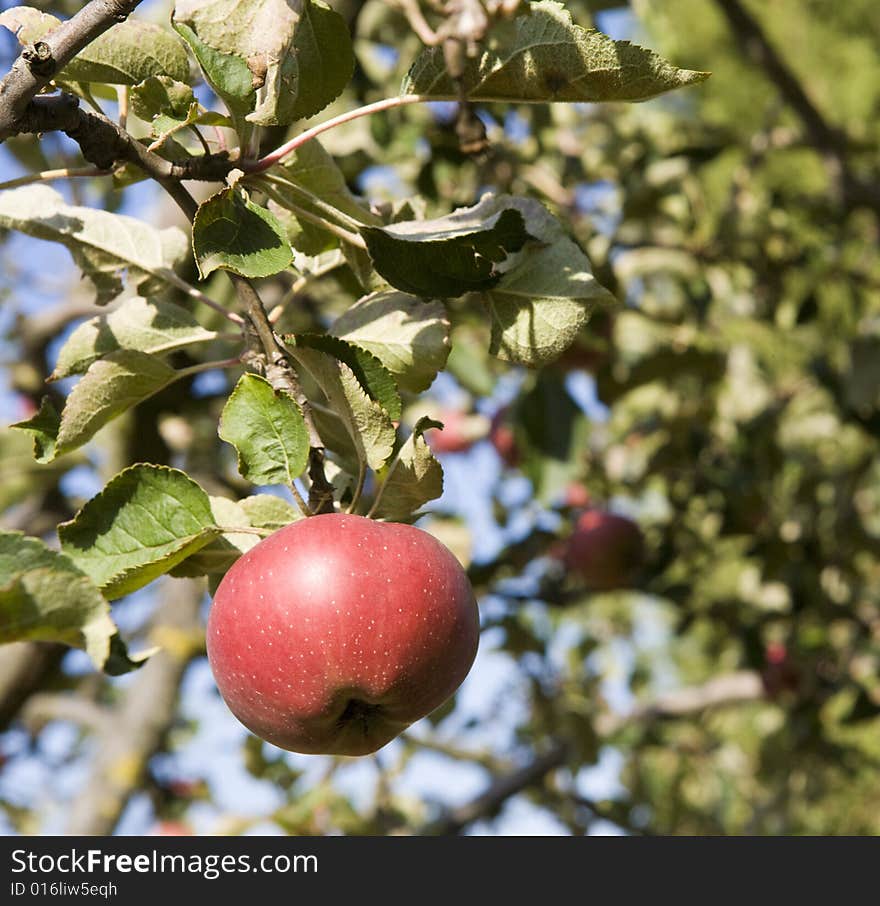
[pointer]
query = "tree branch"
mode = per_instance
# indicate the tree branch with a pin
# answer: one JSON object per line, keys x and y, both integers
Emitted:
{"x": 105, "y": 144}
{"x": 830, "y": 141}
{"x": 135, "y": 729}
{"x": 487, "y": 804}
{"x": 24, "y": 668}
{"x": 39, "y": 63}
{"x": 729, "y": 689}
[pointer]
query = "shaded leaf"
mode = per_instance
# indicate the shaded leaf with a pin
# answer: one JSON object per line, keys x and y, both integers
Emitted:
{"x": 125, "y": 54}
{"x": 45, "y": 598}
{"x": 546, "y": 294}
{"x": 232, "y": 232}
{"x": 450, "y": 255}
{"x": 373, "y": 376}
{"x": 367, "y": 425}
{"x": 140, "y": 324}
{"x": 274, "y": 61}
{"x": 414, "y": 477}
{"x": 43, "y": 425}
{"x": 105, "y": 246}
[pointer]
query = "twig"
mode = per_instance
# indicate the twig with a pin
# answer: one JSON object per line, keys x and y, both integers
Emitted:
{"x": 302, "y": 282}
{"x": 302, "y": 214}
{"x": 48, "y": 175}
{"x": 729, "y": 689}
{"x": 503, "y": 788}
{"x": 276, "y": 156}
{"x": 122, "y": 96}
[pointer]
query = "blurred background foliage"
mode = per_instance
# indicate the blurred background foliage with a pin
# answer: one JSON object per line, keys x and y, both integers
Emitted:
{"x": 730, "y": 406}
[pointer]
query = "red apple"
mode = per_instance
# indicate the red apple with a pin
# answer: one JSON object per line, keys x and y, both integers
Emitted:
{"x": 605, "y": 550}
{"x": 337, "y": 632}
{"x": 457, "y": 434}
{"x": 171, "y": 829}
{"x": 502, "y": 437}
{"x": 576, "y": 496}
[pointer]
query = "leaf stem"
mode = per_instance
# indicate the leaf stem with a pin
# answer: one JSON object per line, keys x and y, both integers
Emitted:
{"x": 359, "y": 487}
{"x": 208, "y": 366}
{"x": 330, "y": 210}
{"x": 48, "y": 175}
{"x": 302, "y": 282}
{"x": 199, "y": 296}
{"x": 274, "y": 157}
{"x": 304, "y": 507}
{"x": 303, "y": 214}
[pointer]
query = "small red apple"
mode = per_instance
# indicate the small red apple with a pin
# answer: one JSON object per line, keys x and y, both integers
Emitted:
{"x": 337, "y": 632}
{"x": 456, "y": 435}
{"x": 171, "y": 829}
{"x": 502, "y": 437}
{"x": 605, "y": 550}
{"x": 576, "y": 496}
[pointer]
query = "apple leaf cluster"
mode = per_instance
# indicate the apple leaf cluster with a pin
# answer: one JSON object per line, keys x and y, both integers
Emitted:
{"x": 273, "y": 64}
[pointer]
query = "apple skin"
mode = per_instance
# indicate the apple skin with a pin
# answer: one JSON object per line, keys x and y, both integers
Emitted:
{"x": 337, "y": 632}
{"x": 605, "y": 550}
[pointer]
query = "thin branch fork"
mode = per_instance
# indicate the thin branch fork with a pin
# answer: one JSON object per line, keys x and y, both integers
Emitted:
{"x": 36, "y": 65}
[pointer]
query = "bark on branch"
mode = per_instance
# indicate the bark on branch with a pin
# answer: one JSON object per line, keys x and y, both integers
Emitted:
{"x": 37, "y": 64}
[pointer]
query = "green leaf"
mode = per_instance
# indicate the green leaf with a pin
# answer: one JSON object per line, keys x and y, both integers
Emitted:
{"x": 147, "y": 326}
{"x": 126, "y": 54}
{"x": 373, "y": 376}
{"x": 220, "y": 553}
{"x": 543, "y": 56}
{"x": 43, "y": 425}
{"x": 161, "y": 95}
{"x": 105, "y": 246}
{"x": 45, "y": 598}
{"x": 313, "y": 169}
{"x": 414, "y": 478}
{"x": 145, "y": 521}
{"x": 228, "y": 75}
{"x": 268, "y": 431}
{"x": 269, "y": 512}
{"x": 451, "y": 255}
{"x": 325, "y": 62}
{"x": 20, "y": 476}
{"x": 275, "y": 60}
{"x": 232, "y": 232}
{"x": 547, "y": 292}
{"x": 262, "y": 511}
{"x": 410, "y": 337}
{"x": 111, "y": 386}
{"x": 367, "y": 425}
{"x": 552, "y": 433}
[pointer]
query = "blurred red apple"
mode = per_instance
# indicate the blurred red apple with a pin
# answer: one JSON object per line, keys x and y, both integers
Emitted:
{"x": 605, "y": 550}
{"x": 503, "y": 439}
{"x": 459, "y": 433}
